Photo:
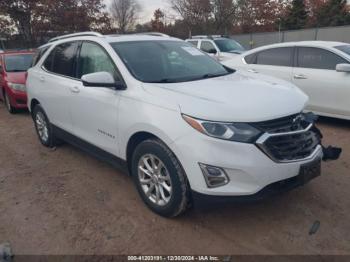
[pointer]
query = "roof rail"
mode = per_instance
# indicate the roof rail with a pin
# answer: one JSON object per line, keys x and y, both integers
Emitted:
{"x": 201, "y": 37}
{"x": 75, "y": 35}
{"x": 154, "y": 34}
{"x": 208, "y": 36}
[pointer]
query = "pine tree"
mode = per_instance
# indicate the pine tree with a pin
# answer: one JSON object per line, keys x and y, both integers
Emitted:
{"x": 297, "y": 16}
{"x": 333, "y": 13}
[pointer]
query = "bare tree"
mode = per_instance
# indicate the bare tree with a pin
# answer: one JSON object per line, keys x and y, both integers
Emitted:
{"x": 125, "y": 13}
{"x": 225, "y": 12}
{"x": 195, "y": 13}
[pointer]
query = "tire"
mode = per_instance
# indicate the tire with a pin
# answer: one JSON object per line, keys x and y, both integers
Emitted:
{"x": 169, "y": 175}
{"x": 44, "y": 128}
{"x": 8, "y": 105}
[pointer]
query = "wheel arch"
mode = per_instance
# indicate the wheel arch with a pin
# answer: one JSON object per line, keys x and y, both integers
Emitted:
{"x": 33, "y": 103}
{"x": 133, "y": 142}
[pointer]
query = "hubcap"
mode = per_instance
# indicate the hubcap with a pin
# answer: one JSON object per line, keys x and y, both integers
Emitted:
{"x": 42, "y": 127}
{"x": 155, "y": 179}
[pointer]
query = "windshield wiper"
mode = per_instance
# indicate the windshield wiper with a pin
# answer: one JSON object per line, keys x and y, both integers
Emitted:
{"x": 206, "y": 76}
{"x": 164, "y": 80}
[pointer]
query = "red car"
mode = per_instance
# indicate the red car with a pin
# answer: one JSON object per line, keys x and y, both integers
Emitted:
{"x": 13, "y": 69}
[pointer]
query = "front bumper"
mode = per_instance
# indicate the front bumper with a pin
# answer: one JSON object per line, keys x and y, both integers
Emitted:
{"x": 18, "y": 99}
{"x": 248, "y": 168}
{"x": 268, "y": 191}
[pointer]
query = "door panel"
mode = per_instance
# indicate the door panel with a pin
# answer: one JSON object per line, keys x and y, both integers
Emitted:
{"x": 55, "y": 82}
{"x": 55, "y": 91}
{"x": 281, "y": 72}
{"x": 315, "y": 74}
{"x": 95, "y": 109}
{"x": 275, "y": 62}
{"x": 328, "y": 90}
{"x": 95, "y": 115}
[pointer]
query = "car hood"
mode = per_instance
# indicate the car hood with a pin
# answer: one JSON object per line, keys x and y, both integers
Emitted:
{"x": 18, "y": 77}
{"x": 238, "y": 97}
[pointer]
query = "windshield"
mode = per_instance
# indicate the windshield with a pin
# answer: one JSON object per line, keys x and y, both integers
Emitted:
{"x": 229, "y": 45}
{"x": 167, "y": 61}
{"x": 344, "y": 48}
{"x": 18, "y": 63}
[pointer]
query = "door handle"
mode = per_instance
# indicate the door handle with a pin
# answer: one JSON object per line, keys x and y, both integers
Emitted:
{"x": 42, "y": 79}
{"x": 300, "y": 76}
{"x": 75, "y": 89}
{"x": 253, "y": 71}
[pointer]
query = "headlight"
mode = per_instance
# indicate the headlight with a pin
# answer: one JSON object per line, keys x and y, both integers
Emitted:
{"x": 239, "y": 132}
{"x": 17, "y": 87}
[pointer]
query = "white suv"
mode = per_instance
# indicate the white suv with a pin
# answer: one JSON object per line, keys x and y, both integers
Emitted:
{"x": 185, "y": 126}
{"x": 220, "y": 47}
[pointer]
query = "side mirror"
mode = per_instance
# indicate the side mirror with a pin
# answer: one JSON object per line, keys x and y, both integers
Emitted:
{"x": 345, "y": 68}
{"x": 101, "y": 79}
{"x": 212, "y": 51}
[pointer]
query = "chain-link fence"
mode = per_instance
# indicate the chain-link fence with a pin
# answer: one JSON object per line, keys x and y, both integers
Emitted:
{"x": 253, "y": 40}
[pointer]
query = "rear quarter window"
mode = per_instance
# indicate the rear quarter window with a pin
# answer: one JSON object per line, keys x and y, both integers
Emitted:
{"x": 250, "y": 59}
{"x": 62, "y": 59}
{"x": 39, "y": 54}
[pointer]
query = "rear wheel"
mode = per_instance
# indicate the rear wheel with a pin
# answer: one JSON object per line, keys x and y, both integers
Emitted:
{"x": 160, "y": 179}
{"x": 44, "y": 128}
{"x": 8, "y": 105}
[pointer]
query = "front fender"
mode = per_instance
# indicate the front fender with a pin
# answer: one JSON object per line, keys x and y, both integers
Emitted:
{"x": 166, "y": 124}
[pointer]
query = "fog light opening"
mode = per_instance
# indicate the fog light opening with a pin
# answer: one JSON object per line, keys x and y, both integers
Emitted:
{"x": 214, "y": 176}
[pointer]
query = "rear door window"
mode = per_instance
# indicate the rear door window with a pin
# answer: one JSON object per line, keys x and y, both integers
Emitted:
{"x": 207, "y": 47}
{"x": 275, "y": 57}
{"x": 317, "y": 58}
{"x": 62, "y": 59}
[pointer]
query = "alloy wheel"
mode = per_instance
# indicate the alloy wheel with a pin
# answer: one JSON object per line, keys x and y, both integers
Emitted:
{"x": 42, "y": 126}
{"x": 155, "y": 179}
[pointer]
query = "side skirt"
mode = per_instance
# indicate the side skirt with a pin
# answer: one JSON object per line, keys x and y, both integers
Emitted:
{"x": 92, "y": 150}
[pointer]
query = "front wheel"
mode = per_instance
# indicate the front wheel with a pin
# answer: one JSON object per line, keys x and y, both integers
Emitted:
{"x": 160, "y": 179}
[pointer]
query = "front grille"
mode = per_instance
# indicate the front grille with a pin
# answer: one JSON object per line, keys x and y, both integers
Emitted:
{"x": 288, "y": 139}
{"x": 282, "y": 125}
{"x": 291, "y": 147}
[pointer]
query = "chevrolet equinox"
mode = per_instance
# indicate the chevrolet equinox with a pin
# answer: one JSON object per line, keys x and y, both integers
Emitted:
{"x": 183, "y": 125}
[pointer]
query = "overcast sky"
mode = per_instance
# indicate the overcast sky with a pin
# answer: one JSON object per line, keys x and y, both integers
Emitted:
{"x": 148, "y": 7}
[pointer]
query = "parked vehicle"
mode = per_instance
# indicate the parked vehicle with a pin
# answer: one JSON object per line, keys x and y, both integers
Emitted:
{"x": 320, "y": 69}
{"x": 13, "y": 69}
{"x": 184, "y": 126}
{"x": 220, "y": 47}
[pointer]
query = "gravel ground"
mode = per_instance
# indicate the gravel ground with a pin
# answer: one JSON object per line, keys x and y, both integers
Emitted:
{"x": 65, "y": 202}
